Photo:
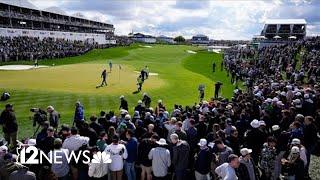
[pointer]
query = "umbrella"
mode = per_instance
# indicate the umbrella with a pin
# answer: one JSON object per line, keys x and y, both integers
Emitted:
{"x": 277, "y": 37}
{"x": 261, "y": 37}
{"x": 292, "y": 37}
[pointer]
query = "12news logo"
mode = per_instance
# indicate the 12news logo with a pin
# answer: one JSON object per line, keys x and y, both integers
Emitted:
{"x": 37, "y": 156}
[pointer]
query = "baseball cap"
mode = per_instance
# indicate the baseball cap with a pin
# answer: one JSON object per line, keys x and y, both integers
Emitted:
{"x": 202, "y": 142}
{"x": 295, "y": 141}
{"x": 245, "y": 151}
{"x": 295, "y": 150}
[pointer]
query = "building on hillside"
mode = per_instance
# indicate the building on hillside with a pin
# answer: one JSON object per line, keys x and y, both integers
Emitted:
{"x": 200, "y": 40}
{"x": 22, "y": 18}
{"x": 165, "y": 39}
{"x": 139, "y": 37}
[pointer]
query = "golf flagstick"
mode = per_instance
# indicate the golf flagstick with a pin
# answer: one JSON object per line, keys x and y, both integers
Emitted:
{"x": 119, "y": 72}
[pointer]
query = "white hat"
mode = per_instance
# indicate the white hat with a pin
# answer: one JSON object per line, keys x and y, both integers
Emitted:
{"x": 32, "y": 142}
{"x": 289, "y": 87}
{"x": 275, "y": 127}
{"x": 283, "y": 93}
{"x": 128, "y": 117}
{"x": 268, "y": 100}
{"x": 306, "y": 96}
{"x": 4, "y": 148}
{"x": 297, "y": 103}
{"x": 202, "y": 142}
{"x": 50, "y": 107}
{"x": 123, "y": 111}
{"x": 275, "y": 99}
{"x": 245, "y": 151}
{"x": 279, "y": 103}
{"x": 229, "y": 106}
{"x": 122, "y": 96}
{"x": 295, "y": 150}
{"x": 258, "y": 94}
{"x": 262, "y": 123}
{"x": 144, "y": 94}
{"x": 300, "y": 116}
{"x": 298, "y": 94}
{"x": 162, "y": 142}
{"x": 173, "y": 119}
{"x": 255, "y": 123}
{"x": 139, "y": 102}
{"x": 295, "y": 141}
{"x": 159, "y": 101}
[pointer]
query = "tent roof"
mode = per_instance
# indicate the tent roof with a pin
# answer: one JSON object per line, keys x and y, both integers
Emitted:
{"x": 286, "y": 21}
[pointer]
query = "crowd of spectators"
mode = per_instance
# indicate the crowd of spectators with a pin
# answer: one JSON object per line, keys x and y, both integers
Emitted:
{"x": 267, "y": 131}
{"x": 31, "y": 48}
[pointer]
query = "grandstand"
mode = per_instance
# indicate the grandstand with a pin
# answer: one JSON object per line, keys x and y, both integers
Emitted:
{"x": 21, "y": 18}
{"x": 284, "y": 29}
{"x": 200, "y": 40}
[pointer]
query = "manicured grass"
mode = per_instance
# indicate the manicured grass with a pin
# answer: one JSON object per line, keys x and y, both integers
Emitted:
{"x": 75, "y": 78}
{"x": 201, "y": 63}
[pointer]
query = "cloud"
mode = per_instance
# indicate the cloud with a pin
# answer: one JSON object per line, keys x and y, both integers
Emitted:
{"x": 232, "y": 19}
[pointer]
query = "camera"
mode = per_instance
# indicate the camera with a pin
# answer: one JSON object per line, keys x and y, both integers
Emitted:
{"x": 39, "y": 116}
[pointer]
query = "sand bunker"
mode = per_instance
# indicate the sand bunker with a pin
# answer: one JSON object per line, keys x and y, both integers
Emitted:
{"x": 150, "y": 74}
{"x": 191, "y": 52}
{"x": 19, "y": 67}
{"x": 146, "y": 46}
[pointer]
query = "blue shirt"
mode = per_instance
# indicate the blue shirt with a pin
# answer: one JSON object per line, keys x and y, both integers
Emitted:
{"x": 132, "y": 149}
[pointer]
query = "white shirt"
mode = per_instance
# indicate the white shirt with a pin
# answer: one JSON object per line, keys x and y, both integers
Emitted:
{"x": 226, "y": 172}
{"x": 118, "y": 153}
{"x": 98, "y": 170}
{"x": 74, "y": 142}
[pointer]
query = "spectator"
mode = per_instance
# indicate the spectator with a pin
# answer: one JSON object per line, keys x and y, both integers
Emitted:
{"x": 95, "y": 125}
{"x": 47, "y": 144}
{"x": 132, "y": 149}
{"x": 226, "y": 171}
{"x": 144, "y": 148}
{"x": 180, "y": 159}
{"x": 146, "y": 100}
{"x": 268, "y": 159}
{"x": 247, "y": 169}
{"x": 53, "y": 117}
{"x": 9, "y": 124}
{"x": 161, "y": 160}
{"x": 178, "y": 130}
{"x": 102, "y": 142}
{"x": 98, "y": 170}
{"x": 123, "y": 103}
{"x": 291, "y": 167}
{"x": 118, "y": 153}
{"x": 78, "y": 114}
{"x": 203, "y": 161}
{"x": 61, "y": 168}
{"x": 75, "y": 141}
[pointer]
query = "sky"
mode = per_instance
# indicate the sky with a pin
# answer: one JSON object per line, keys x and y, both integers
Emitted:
{"x": 218, "y": 19}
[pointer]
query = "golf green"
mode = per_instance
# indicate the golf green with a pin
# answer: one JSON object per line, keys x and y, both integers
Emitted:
{"x": 177, "y": 75}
